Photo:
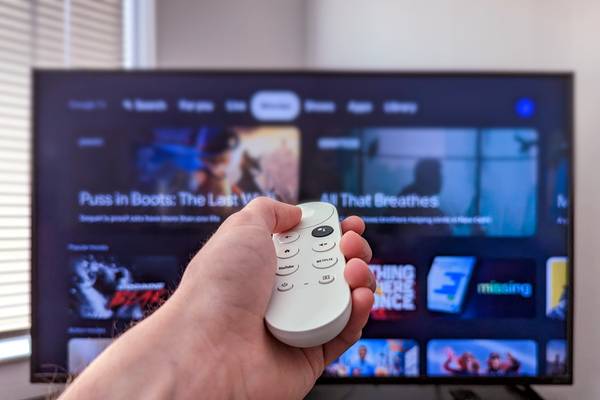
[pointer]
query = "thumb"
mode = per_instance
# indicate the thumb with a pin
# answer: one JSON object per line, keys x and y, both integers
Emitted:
{"x": 274, "y": 215}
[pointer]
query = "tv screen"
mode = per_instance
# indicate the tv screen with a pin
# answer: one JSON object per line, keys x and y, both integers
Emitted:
{"x": 464, "y": 181}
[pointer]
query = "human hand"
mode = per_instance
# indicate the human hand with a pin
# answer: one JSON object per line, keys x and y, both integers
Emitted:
{"x": 238, "y": 288}
{"x": 211, "y": 333}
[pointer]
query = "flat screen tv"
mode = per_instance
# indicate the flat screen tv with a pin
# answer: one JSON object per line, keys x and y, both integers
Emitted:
{"x": 464, "y": 181}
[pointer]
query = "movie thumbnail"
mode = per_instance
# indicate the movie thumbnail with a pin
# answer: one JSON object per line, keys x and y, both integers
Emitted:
{"x": 463, "y": 287}
{"x": 557, "y": 287}
{"x": 481, "y": 357}
{"x": 447, "y": 283}
{"x": 396, "y": 292}
{"x": 103, "y": 287}
{"x": 556, "y": 357}
{"x": 224, "y": 164}
{"x": 82, "y": 351}
{"x": 446, "y": 181}
{"x": 557, "y": 190}
{"x": 377, "y": 357}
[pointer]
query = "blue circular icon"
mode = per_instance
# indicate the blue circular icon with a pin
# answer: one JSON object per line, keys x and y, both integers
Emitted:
{"x": 525, "y": 107}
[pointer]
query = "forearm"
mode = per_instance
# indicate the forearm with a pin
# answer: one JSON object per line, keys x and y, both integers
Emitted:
{"x": 162, "y": 357}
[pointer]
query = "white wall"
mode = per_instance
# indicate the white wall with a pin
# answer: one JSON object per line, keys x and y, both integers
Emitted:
{"x": 230, "y": 33}
{"x": 587, "y": 275}
{"x": 454, "y": 34}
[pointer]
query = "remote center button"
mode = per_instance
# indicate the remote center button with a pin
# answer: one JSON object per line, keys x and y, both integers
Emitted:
{"x": 322, "y": 231}
{"x": 286, "y": 269}
{"x": 287, "y": 237}
{"x": 325, "y": 279}
{"x": 323, "y": 245}
{"x": 285, "y": 286}
{"x": 324, "y": 262}
{"x": 287, "y": 251}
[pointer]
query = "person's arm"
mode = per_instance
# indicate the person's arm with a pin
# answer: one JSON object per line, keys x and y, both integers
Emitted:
{"x": 209, "y": 340}
{"x": 160, "y": 358}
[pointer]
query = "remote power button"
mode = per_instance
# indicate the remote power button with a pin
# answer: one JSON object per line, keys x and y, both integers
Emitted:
{"x": 285, "y": 286}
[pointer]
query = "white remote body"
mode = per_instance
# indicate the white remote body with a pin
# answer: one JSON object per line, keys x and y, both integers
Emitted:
{"x": 311, "y": 302}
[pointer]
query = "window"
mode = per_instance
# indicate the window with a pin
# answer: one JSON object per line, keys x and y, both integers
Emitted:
{"x": 43, "y": 34}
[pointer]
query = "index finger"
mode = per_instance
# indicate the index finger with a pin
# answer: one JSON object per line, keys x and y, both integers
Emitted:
{"x": 353, "y": 223}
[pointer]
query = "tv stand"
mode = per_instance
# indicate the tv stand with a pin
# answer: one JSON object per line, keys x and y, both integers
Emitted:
{"x": 424, "y": 392}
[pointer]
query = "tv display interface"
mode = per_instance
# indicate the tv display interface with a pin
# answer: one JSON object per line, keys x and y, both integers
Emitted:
{"x": 464, "y": 181}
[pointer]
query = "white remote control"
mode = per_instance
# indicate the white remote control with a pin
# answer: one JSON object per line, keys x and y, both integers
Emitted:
{"x": 311, "y": 301}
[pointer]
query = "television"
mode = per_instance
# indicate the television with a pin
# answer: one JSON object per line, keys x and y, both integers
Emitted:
{"x": 464, "y": 179}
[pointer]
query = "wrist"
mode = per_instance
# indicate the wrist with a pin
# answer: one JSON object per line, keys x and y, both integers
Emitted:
{"x": 201, "y": 354}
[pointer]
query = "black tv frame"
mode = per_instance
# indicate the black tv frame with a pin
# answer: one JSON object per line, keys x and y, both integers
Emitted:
{"x": 567, "y": 76}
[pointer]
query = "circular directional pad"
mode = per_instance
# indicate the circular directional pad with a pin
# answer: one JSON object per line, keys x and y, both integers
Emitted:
{"x": 314, "y": 214}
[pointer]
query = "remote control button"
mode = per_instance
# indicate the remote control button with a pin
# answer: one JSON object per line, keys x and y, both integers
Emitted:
{"x": 324, "y": 262}
{"x": 323, "y": 245}
{"x": 287, "y": 269}
{"x": 287, "y": 237}
{"x": 287, "y": 252}
{"x": 314, "y": 214}
{"x": 325, "y": 279}
{"x": 285, "y": 286}
{"x": 322, "y": 231}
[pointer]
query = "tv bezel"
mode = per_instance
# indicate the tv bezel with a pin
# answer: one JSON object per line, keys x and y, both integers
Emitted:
{"x": 567, "y": 76}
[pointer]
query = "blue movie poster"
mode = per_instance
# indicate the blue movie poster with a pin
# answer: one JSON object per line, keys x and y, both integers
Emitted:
{"x": 481, "y": 357}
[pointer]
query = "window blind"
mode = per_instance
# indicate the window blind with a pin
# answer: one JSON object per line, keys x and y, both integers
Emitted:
{"x": 43, "y": 34}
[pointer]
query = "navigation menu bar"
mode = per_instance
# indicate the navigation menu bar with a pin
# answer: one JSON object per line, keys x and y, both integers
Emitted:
{"x": 264, "y": 105}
